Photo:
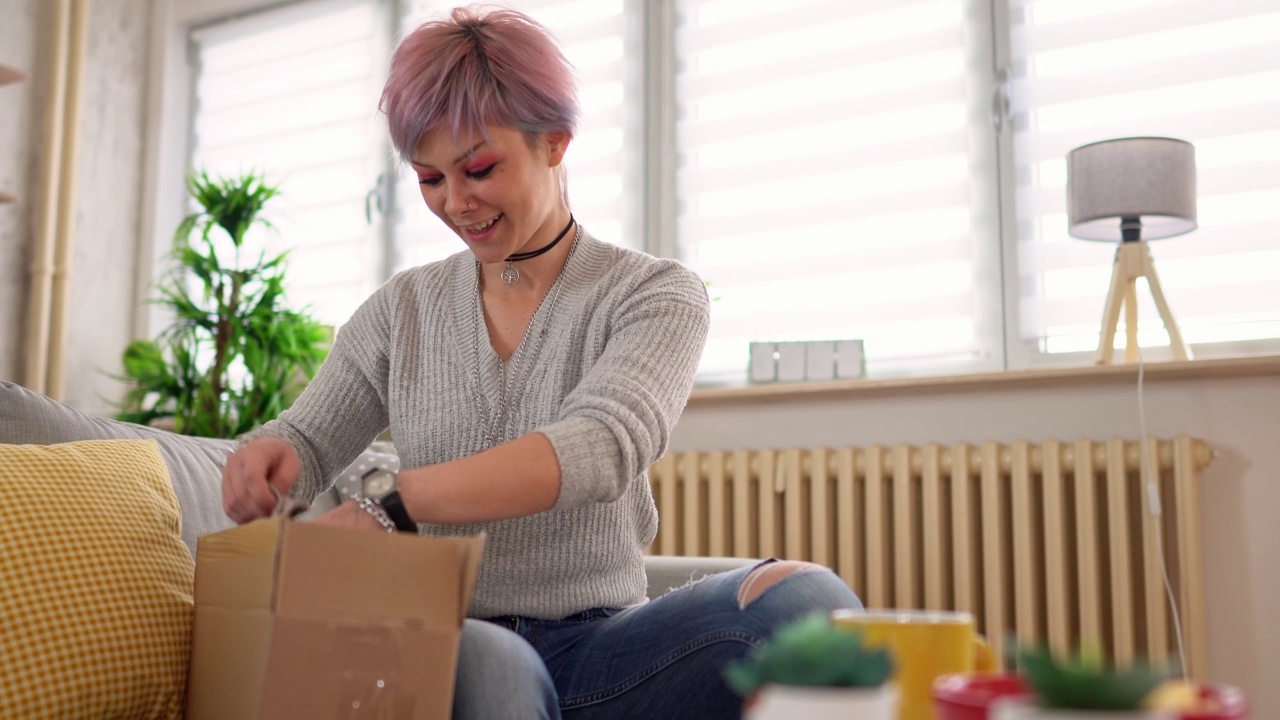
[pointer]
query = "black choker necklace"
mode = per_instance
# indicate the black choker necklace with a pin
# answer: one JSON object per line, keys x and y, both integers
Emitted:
{"x": 510, "y": 274}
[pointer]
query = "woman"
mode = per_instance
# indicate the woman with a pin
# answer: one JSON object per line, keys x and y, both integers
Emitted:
{"x": 528, "y": 384}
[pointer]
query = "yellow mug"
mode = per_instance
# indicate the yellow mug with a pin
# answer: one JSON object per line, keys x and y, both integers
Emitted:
{"x": 924, "y": 645}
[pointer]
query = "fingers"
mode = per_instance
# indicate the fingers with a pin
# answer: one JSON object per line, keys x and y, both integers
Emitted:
{"x": 251, "y": 473}
{"x": 285, "y": 470}
{"x": 349, "y": 515}
{"x": 245, "y": 495}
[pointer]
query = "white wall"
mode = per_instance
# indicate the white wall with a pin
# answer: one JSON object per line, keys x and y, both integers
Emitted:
{"x": 19, "y": 27}
{"x": 109, "y": 176}
{"x": 1238, "y": 417}
{"x": 129, "y": 193}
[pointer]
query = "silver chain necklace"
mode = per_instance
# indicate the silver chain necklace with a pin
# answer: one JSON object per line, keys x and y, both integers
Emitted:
{"x": 506, "y": 398}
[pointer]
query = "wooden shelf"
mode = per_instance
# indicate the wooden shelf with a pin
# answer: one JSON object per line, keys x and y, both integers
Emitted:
{"x": 10, "y": 75}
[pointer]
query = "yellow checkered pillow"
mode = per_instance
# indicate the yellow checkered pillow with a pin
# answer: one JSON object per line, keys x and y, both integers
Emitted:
{"x": 95, "y": 583}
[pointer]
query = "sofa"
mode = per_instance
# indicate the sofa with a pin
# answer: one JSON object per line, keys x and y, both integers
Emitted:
{"x": 122, "y": 505}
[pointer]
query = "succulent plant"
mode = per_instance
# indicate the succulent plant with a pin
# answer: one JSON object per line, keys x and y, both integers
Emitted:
{"x": 1086, "y": 682}
{"x": 811, "y": 651}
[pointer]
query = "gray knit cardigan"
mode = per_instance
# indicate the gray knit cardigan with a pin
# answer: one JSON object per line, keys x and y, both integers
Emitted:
{"x": 603, "y": 372}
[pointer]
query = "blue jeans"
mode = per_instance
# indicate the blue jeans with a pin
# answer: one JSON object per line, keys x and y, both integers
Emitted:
{"x": 662, "y": 659}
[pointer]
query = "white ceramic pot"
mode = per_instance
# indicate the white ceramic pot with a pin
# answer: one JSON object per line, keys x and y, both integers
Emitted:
{"x": 792, "y": 702}
{"x": 1024, "y": 709}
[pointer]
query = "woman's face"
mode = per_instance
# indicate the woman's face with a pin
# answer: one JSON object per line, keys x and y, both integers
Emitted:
{"x": 501, "y": 195}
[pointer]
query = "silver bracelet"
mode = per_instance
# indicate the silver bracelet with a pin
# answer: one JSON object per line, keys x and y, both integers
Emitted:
{"x": 377, "y": 512}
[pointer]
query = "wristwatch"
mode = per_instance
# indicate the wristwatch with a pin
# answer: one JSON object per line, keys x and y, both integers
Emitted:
{"x": 379, "y": 485}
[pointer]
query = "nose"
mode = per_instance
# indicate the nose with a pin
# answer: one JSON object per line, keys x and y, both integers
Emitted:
{"x": 457, "y": 199}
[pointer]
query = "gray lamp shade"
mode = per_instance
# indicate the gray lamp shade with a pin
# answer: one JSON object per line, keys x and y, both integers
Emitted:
{"x": 1146, "y": 185}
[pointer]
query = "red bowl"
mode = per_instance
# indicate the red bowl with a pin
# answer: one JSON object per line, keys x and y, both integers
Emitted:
{"x": 968, "y": 696}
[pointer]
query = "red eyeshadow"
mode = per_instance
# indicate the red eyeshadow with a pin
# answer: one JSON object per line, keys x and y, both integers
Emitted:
{"x": 480, "y": 162}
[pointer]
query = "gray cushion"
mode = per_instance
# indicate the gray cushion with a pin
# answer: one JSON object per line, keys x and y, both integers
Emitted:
{"x": 195, "y": 464}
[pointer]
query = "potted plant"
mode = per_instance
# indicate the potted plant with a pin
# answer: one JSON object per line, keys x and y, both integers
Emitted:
{"x": 810, "y": 669}
{"x": 234, "y": 355}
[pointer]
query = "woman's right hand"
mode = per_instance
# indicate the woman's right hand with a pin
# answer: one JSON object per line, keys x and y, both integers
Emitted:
{"x": 252, "y": 472}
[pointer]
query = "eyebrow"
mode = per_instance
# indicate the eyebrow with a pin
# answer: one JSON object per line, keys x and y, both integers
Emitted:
{"x": 458, "y": 159}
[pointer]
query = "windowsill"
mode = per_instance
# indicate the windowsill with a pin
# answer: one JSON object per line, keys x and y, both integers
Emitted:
{"x": 1251, "y": 366}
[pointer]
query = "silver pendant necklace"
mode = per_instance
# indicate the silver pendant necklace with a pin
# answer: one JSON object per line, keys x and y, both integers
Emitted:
{"x": 506, "y": 398}
{"x": 510, "y": 274}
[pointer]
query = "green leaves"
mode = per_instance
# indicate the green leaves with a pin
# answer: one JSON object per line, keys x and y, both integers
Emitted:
{"x": 234, "y": 355}
{"x": 232, "y": 204}
{"x": 811, "y": 651}
{"x": 1084, "y": 682}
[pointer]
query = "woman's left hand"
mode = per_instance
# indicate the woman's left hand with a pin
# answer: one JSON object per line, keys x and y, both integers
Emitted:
{"x": 350, "y": 515}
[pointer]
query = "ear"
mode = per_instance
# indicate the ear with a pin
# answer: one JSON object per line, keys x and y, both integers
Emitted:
{"x": 557, "y": 143}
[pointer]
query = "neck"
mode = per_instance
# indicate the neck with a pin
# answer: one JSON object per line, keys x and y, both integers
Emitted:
{"x": 531, "y": 254}
{"x": 539, "y": 265}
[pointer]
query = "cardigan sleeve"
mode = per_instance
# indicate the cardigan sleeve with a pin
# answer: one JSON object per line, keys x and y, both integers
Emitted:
{"x": 617, "y": 421}
{"x": 344, "y": 407}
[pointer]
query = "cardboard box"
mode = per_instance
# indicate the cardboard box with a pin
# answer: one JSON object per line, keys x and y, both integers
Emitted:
{"x": 297, "y": 620}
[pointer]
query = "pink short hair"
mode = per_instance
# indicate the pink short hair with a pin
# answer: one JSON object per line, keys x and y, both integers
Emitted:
{"x": 476, "y": 68}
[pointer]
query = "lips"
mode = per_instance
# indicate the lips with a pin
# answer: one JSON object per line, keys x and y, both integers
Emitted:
{"x": 484, "y": 225}
{"x": 481, "y": 231}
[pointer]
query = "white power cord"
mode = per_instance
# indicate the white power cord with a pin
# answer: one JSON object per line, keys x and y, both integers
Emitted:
{"x": 1154, "y": 507}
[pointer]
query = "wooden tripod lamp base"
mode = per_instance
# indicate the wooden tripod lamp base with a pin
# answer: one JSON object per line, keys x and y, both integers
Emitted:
{"x": 1133, "y": 260}
{"x": 1132, "y": 190}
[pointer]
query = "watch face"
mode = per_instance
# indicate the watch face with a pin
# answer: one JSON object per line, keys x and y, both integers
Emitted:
{"x": 377, "y": 485}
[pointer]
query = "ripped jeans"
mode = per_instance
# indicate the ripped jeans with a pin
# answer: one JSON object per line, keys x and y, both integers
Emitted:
{"x": 660, "y": 660}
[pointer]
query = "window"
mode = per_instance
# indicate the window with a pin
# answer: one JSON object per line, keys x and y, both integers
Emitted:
{"x": 829, "y": 157}
{"x": 1208, "y": 73}
{"x": 290, "y": 93}
{"x": 891, "y": 172}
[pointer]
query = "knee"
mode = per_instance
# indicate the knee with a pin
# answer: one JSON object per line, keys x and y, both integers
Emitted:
{"x": 767, "y": 575}
{"x": 500, "y": 676}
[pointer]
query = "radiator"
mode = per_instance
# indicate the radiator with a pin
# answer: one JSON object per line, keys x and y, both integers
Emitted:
{"x": 1045, "y": 543}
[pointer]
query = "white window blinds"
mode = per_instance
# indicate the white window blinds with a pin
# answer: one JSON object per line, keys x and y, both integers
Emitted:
{"x": 833, "y": 156}
{"x": 603, "y": 167}
{"x": 1205, "y": 72}
{"x": 291, "y": 93}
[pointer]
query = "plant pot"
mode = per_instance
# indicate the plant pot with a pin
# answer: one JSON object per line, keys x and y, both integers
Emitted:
{"x": 790, "y": 702}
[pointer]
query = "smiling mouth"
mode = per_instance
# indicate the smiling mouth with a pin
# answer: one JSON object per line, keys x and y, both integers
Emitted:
{"x": 484, "y": 225}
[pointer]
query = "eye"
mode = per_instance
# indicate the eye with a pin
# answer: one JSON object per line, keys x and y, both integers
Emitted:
{"x": 481, "y": 172}
{"x": 432, "y": 180}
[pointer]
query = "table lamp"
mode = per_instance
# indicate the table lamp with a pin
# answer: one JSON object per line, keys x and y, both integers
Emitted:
{"x": 1131, "y": 190}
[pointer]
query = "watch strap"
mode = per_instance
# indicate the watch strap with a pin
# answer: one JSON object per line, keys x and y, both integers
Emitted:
{"x": 395, "y": 509}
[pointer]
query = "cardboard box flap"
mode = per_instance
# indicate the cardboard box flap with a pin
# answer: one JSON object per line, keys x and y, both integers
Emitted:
{"x": 334, "y": 572}
{"x": 255, "y": 539}
{"x": 236, "y": 567}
